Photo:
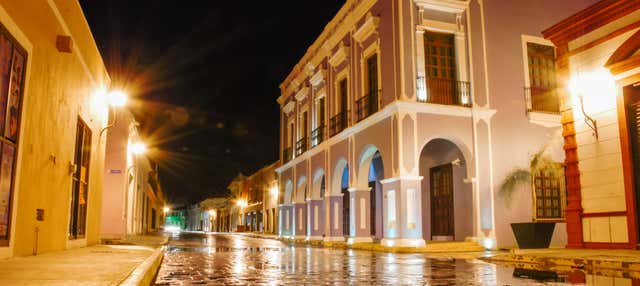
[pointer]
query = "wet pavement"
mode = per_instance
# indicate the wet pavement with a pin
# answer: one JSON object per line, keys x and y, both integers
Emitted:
{"x": 226, "y": 259}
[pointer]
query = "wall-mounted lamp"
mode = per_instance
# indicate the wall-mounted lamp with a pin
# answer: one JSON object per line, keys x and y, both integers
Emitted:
{"x": 593, "y": 92}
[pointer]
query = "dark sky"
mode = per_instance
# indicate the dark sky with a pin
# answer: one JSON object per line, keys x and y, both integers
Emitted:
{"x": 203, "y": 77}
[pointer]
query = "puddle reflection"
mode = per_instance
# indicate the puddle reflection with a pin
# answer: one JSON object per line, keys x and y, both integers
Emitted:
{"x": 237, "y": 260}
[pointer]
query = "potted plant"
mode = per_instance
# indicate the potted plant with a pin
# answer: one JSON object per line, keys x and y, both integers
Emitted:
{"x": 535, "y": 234}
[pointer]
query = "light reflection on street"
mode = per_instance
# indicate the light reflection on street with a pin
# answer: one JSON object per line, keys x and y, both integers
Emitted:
{"x": 221, "y": 259}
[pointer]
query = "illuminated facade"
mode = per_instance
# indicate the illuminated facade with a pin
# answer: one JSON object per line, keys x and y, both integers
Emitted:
{"x": 52, "y": 169}
{"x": 599, "y": 66}
{"x": 404, "y": 117}
{"x": 132, "y": 200}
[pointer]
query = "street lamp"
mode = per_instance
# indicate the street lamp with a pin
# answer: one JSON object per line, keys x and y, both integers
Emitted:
{"x": 115, "y": 99}
{"x": 138, "y": 148}
{"x": 593, "y": 91}
{"x": 166, "y": 210}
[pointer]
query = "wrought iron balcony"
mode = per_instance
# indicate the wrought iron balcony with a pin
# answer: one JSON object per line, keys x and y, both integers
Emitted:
{"x": 338, "y": 123}
{"x": 317, "y": 136}
{"x": 444, "y": 91}
{"x": 287, "y": 154}
{"x": 367, "y": 105}
{"x": 302, "y": 145}
{"x": 540, "y": 99}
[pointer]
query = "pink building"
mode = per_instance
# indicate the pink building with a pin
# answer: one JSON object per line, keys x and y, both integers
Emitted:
{"x": 404, "y": 117}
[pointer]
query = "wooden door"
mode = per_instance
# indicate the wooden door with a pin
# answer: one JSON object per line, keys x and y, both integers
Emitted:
{"x": 440, "y": 67}
{"x": 441, "y": 189}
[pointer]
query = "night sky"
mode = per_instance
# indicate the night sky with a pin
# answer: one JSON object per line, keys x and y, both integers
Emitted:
{"x": 204, "y": 79}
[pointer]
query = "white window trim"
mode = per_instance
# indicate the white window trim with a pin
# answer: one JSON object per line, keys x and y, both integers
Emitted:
{"x": 318, "y": 94}
{"x": 344, "y": 74}
{"x": 459, "y": 44}
{"x": 373, "y": 49}
{"x": 539, "y": 118}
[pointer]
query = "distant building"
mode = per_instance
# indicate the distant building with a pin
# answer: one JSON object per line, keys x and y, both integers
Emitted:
{"x": 51, "y": 117}
{"x": 133, "y": 201}
{"x": 598, "y": 60}
{"x": 259, "y": 199}
{"x": 404, "y": 117}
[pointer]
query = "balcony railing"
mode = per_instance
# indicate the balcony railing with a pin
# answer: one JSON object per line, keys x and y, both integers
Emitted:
{"x": 287, "y": 154}
{"x": 444, "y": 91}
{"x": 317, "y": 136}
{"x": 540, "y": 99}
{"x": 302, "y": 145}
{"x": 338, "y": 123}
{"x": 367, "y": 105}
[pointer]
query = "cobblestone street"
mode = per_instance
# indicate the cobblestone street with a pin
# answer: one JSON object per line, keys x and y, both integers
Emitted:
{"x": 222, "y": 259}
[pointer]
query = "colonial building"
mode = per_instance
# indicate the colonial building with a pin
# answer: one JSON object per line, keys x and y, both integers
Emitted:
{"x": 598, "y": 65}
{"x": 404, "y": 118}
{"x": 51, "y": 117}
{"x": 258, "y": 200}
{"x": 132, "y": 201}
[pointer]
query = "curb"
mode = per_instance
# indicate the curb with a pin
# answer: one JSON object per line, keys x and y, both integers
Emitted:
{"x": 144, "y": 273}
{"x": 575, "y": 262}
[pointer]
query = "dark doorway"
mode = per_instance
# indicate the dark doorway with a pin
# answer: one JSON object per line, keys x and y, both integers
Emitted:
{"x": 80, "y": 181}
{"x": 632, "y": 106}
{"x": 441, "y": 180}
{"x": 346, "y": 202}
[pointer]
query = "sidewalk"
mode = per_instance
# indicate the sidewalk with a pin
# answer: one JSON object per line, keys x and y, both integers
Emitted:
{"x": 588, "y": 259}
{"x": 93, "y": 265}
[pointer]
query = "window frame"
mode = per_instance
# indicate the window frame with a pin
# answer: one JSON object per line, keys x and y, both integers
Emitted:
{"x": 18, "y": 47}
{"x": 525, "y": 57}
{"x": 563, "y": 197}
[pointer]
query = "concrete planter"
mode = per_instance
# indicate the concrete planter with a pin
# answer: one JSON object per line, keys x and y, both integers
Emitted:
{"x": 533, "y": 234}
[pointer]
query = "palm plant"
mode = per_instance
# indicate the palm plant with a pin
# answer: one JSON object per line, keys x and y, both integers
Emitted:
{"x": 540, "y": 162}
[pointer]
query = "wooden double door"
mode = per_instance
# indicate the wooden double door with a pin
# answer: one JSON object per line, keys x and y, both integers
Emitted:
{"x": 441, "y": 194}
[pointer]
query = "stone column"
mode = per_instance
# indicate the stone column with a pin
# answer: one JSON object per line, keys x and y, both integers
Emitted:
{"x": 300, "y": 219}
{"x": 335, "y": 218}
{"x": 315, "y": 211}
{"x": 360, "y": 215}
{"x": 402, "y": 218}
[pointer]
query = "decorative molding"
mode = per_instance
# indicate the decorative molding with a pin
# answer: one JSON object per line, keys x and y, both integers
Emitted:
{"x": 369, "y": 27}
{"x": 309, "y": 69}
{"x": 449, "y": 6}
{"x": 302, "y": 94}
{"x": 339, "y": 56}
{"x": 317, "y": 78}
{"x": 387, "y": 112}
{"x": 289, "y": 107}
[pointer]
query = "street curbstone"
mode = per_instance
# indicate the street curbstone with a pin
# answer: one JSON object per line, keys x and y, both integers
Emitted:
{"x": 145, "y": 273}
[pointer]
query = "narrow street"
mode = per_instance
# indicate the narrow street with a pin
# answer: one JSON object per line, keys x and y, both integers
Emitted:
{"x": 226, "y": 259}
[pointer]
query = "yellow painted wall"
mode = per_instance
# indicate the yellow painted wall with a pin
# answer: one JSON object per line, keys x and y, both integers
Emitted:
{"x": 59, "y": 89}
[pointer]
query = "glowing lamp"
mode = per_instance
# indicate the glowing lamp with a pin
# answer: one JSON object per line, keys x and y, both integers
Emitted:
{"x": 166, "y": 209}
{"x": 593, "y": 92}
{"x": 212, "y": 213}
{"x": 117, "y": 98}
{"x": 241, "y": 203}
{"x": 138, "y": 148}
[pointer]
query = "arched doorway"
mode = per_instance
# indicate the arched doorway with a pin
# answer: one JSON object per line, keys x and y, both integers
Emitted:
{"x": 447, "y": 208}
{"x": 346, "y": 202}
{"x": 316, "y": 206}
{"x": 371, "y": 171}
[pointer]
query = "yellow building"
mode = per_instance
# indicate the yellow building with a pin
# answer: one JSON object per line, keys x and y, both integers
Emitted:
{"x": 51, "y": 173}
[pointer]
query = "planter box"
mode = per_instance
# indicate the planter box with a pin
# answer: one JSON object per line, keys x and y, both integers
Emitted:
{"x": 533, "y": 234}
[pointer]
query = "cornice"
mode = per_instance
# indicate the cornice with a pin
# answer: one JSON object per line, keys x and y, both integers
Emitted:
{"x": 589, "y": 19}
{"x": 339, "y": 56}
{"x": 302, "y": 93}
{"x": 317, "y": 78}
{"x": 449, "y": 6}
{"x": 369, "y": 27}
{"x": 289, "y": 107}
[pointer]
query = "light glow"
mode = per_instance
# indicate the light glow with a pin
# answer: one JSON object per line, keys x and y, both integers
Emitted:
{"x": 241, "y": 203}
{"x": 166, "y": 209}
{"x": 117, "y": 98}
{"x": 274, "y": 192}
{"x": 138, "y": 148}
{"x": 596, "y": 87}
{"x": 212, "y": 213}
